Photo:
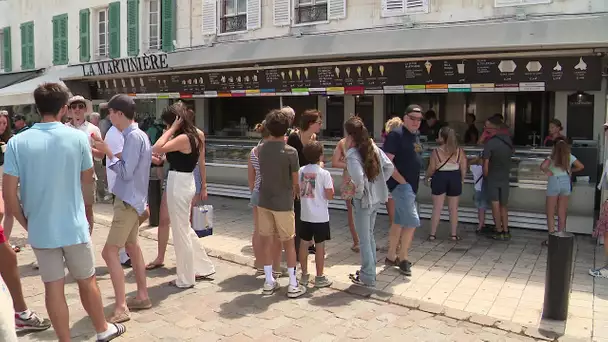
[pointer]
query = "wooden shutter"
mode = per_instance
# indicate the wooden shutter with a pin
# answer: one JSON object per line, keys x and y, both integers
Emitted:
{"x": 27, "y": 46}
{"x": 85, "y": 35}
{"x": 167, "y": 18}
{"x": 254, "y": 14}
{"x": 114, "y": 29}
{"x": 336, "y": 9}
{"x": 133, "y": 27}
{"x": 7, "y": 54}
{"x": 60, "y": 39}
{"x": 56, "y": 45}
{"x": 209, "y": 17}
{"x": 281, "y": 12}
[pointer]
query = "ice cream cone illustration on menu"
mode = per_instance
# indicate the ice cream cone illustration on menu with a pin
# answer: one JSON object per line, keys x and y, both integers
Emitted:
{"x": 290, "y": 74}
{"x": 107, "y": 85}
{"x": 298, "y": 73}
{"x": 231, "y": 79}
{"x": 246, "y": 78}
{"x": 306, "y": 73}
{"x": 189, "y": 81}
{"x": 238, "y": 79}
{"x": 381, "y": 68}
{"x": 370, "y": 70}
{"x": 98, "y": 84}
{"x": 255, "y": 78}
{"x": 122, "y": 81}
{"x": 183, "y": 82}
{"x": 223, "y": 79}
{"x": 337, "y": 70}
{"x": 359, "y": 70}
{"x": 132, "y": 82}
{"x": 283, "y": 75}
{"x": 200, "y": 80}
{"x": 348, "y": 72}
{"x": 141, "y": 81}
{"x": 428, "y": 65}
{"x": 114, "y": 82}
{"x": 195, "y": 81}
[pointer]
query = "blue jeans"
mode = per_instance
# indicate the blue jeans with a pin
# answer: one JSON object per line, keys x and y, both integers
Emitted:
{"x": 365, "y": 220}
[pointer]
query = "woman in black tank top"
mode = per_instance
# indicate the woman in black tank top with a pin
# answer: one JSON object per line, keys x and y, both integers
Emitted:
{"x": 184, "y": 147}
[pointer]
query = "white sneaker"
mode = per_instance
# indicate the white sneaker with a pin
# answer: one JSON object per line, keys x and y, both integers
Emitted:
{"x": 296, "y": 291}
{"x": 269, "y": 289}
{"x": 600, "y": 272}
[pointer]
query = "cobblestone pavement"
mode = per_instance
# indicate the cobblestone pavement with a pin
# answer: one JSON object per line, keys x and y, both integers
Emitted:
{"x": 231, "y": 308}
{"x": 502, "y": 280}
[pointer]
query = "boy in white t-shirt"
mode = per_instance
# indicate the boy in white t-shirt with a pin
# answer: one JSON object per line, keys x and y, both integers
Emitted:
{"x": 480, "y": 201}
{"x": 316, "y": 189}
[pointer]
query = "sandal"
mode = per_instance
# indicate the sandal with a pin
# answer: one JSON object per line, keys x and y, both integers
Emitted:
{"x": 120, "y": 318}
{"x": 432, "y": 237}
{"x": 355, "y": 248}
{"x": 174, "y": 284}
{"x": 16, "y": 248}
{"x": 153, "y": 266}
{"x": 455, "y": 238}
{"x": 545, "y": 243}
{"x": 208, "y": 277}
{"x": 120, "y": 329}
{"x": 355, "y": 279}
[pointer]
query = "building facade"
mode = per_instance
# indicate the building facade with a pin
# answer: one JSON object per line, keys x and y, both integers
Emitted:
{"x": 233, "y": 60}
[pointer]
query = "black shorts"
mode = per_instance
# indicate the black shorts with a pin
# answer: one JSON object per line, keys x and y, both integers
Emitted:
{"x": 318, "y": 231}
{"x": 447, "y": 182}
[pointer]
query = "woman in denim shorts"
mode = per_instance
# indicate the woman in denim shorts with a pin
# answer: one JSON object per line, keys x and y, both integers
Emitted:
{"x": 559, "y": 167}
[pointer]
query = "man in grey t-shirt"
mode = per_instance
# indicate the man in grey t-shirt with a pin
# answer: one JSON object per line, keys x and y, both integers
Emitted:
{"x": 497, "y": 154}
{"x": 279, "y": 172}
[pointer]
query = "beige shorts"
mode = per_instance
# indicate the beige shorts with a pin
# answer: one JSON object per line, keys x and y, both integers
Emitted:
{"x": 125, "y": 225}
{"x": 281, "y": 223}
{"x": 79, "y": 260}
{"x": 88, "y": 192}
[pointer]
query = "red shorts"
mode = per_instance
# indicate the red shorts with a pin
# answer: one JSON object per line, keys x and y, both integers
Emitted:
{"x": 2, "y": 237}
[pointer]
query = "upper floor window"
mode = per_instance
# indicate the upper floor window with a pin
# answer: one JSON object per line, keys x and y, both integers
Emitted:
{"x": 102, "y": 49}
{"x": 1, "y": 50}
{"x": 154, "y": 25}
{"x": 391, "y": 8}
{"x": 233, "y": 16}
{"x": 504, "y": 3}
{"x": 310, "y": 11}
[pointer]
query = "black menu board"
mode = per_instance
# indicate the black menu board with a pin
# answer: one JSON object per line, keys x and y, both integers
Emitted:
{"x": 581, "y": 73}
{"x": 580, "y": 116}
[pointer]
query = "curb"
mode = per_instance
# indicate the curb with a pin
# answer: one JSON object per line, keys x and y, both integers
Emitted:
{"x": 378, "y": 295}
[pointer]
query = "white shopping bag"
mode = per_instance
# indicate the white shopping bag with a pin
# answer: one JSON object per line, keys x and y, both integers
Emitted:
{"x": 202, "y": 220}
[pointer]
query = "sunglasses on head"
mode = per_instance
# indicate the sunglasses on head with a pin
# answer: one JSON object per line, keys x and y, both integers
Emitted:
{"x": 78, "y": 106}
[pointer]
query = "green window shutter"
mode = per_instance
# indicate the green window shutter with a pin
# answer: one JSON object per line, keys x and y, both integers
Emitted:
{"x": 114, "y": 29}
{"x": 8, "y": 56}
{"x": 133, "y": 27}
{"x": 85, "y": 35}
{"x": 55, "y": 40}
{"x": 63, "y": 30}
{"x": 27, "y": 46}
{"x": 167, "y": 24}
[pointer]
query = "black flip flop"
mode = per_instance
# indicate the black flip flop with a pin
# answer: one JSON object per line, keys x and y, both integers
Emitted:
{"x": 120, "y": 329}
{"x": 208, "y": 277}
{"x": 173, "y": 283}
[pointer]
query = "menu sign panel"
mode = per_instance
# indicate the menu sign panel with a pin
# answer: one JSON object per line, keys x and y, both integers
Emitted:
{"x": 581, "y": 73}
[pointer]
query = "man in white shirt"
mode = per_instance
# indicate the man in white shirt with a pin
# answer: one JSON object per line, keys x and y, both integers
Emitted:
{"x": 79, "y": 107}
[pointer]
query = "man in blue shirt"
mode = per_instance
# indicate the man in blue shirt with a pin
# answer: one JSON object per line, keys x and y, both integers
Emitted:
{"x": 402, "y": 146}
{"x": 131, "y": 191}
{"x": 51, "y": 161}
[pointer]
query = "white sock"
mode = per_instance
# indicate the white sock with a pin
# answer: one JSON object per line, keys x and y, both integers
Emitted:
{"x": 268, "y": 274}
{"x": 123, "y": 255}
{"x": 292, "y": 276}
{"x": 111, "y": 330}
{"x": 25, "y": 314}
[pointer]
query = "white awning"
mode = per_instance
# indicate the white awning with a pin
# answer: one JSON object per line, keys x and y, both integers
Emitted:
{"x": 22, "y": 93}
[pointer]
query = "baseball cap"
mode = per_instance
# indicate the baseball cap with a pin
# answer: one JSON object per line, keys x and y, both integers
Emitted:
{"x": 123, "y": 103}
{"x": 76, "y": 99}
{"x": 413, "y": 109}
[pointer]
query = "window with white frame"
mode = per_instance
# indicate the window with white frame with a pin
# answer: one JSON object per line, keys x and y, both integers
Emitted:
{"x": 310, "y": 11}
{"x": 103, "y": 41}
{"x": 233, "y": 16}
{"x": 391, "y": 8}
{"x": 505, "y": 3}
{"x": 154, "y": 25}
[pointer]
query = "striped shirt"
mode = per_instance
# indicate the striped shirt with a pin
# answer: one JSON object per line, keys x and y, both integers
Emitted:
{"x": 256, "y": 166}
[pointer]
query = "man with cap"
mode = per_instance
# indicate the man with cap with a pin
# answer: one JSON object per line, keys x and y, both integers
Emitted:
{"x": 131, "y": 194}
{"x": 79, "y": 106}
{"x": 20, "y": 124}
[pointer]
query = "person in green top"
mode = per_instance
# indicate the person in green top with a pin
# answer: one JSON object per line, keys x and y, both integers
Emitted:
{"x": 20, "y": 124}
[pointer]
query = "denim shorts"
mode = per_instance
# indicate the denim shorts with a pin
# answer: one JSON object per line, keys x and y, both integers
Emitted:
{"x": 406, "y": 211}
{"x": 559, "y": 186}
{"x": 480, "y": 200}
{"x": 255, "y": 198}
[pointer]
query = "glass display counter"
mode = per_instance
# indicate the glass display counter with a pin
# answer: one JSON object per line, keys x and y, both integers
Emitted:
{"x": 227, "y": 175}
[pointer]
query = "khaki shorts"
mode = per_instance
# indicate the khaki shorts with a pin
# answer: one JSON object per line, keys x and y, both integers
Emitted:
{"x": 79, "y": 260}
{"x": 88, "y": 192}
{"x": 281, "y": 223}
{"x": 125, "y": 225}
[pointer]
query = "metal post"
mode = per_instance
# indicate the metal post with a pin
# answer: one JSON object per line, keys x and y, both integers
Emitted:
{"x": 154, "y": 198}
{"x": 559, "y": 276}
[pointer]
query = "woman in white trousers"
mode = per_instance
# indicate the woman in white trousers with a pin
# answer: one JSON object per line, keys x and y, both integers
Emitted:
{"x": 184, "y": 147}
